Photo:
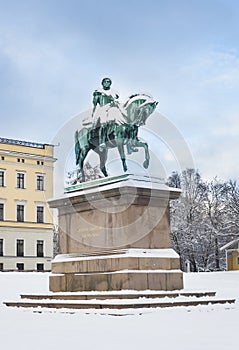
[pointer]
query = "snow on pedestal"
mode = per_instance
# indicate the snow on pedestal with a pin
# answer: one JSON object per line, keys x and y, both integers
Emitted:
{"x": 115, "y": 235}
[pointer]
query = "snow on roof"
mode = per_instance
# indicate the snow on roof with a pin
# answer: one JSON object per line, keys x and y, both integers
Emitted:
{"x": 232, "y": 244}
{"x": 22, "y": 143}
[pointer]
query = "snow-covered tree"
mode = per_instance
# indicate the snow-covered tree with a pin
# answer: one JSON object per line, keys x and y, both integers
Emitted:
{"x": 233, "y": 208}
{"x": 91, "y": 173}
{"x": 187, "y": 225}
{"x": 204, "y": 218}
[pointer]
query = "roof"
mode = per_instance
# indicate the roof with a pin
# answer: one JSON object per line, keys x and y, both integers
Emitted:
{"x": 22, "y": 143}
{"x": 231, "y": 245}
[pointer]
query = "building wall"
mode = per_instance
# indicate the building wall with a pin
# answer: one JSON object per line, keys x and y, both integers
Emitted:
{"x": 31, "y": 160}
{"x": 232, "y": 260}
{"x": 30, "y": 236}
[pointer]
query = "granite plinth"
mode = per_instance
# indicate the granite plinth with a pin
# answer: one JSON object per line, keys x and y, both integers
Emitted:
{"x": 116, "y": 235}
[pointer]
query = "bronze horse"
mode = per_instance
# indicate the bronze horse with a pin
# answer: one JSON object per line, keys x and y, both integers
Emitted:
{"x": 101, "y": 137}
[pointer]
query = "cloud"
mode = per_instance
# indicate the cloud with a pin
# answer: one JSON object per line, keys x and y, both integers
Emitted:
{"x": 41, "y": 82}
{"x": 214, "y": 68}
{"x": 53, "y": 57}
{"x": 216, "y": 155}
{"x": 228, "y": 127}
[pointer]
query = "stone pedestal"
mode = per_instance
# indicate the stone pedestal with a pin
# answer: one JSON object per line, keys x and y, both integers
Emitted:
{"x": 114, "y": 234}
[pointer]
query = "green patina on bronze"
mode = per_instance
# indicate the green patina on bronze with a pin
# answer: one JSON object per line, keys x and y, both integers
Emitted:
{"x": 113, "y": 125}
{"x": 102, "y": 98}
{"x": 96, "y": 183}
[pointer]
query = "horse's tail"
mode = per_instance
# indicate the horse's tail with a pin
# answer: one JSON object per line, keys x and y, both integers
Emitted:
{"x": 77, "y": 147}
{"x": 76, "y": 135}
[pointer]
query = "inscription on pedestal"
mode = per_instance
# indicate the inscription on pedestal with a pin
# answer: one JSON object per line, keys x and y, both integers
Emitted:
{"x": 106, "y": 221}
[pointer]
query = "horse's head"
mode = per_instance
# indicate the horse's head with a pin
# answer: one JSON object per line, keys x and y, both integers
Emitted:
{"x": 139, "y": 107}
{"x": 144, "y": 111}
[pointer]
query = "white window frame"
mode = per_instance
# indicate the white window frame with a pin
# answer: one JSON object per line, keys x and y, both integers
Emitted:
{"x": 43, "y": 248}
{"x": 24, "y": 213}
{"x": 25, "y": 178}
{"x": 40, "y": 204}
{"x": 43, "y": 214}
{"x": 4, "y": 177}
{"x": 44, "y": 179}
{"x": 3, "y": 241}
{"x": 3, "y": 201}
{"x": 22, "y": 240}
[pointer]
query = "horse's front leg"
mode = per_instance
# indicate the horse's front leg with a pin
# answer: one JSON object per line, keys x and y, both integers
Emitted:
{"x": 138, "y": 143}
{"x": 103, "y": 153}
{"x": 120, "y": 146}
{"x": 103, "y": 157}
{"x": 82, "y": 157}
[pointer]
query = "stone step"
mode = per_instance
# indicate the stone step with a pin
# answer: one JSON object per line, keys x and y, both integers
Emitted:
{"x": 127, "y": 304}
{"x": 161, "y": 280}
{"x": 105, "y": 296}
{"x": 114, "y": 262}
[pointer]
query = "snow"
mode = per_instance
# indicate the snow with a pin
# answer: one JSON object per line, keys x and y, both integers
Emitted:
{"x": 129, "y": 180}
{"x": 211, "y": 327}
{"x": 143, "y": 253}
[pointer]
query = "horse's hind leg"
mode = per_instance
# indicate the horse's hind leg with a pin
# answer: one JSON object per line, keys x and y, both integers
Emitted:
{"x": 138, "y": 143}
{"x": 103, "y": 157}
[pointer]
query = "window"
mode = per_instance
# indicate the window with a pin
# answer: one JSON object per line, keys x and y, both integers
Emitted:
{"x": 2, "y": 182}
{"x": 40, "y": 182}
{"x": 1, "y": 211}
{"x": 1, "y": 247}
{"x": 20, "y": 212}
{"x": 238, "y": 260}
{"x": 20, "y": 247}
{"x": 20, "y": 180}
{"x": 1, "y": 266}
{"x": 40, "y": 249}
{"x": 40, "y": 267}
{"x": 20, "y": 266}
{"x": 2, "y": 157}
{"x": 40, "y": 214}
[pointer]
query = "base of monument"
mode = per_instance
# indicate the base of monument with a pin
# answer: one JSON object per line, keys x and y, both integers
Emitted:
{"x": 118, "y": 303}
{"x": 126, "y": 269}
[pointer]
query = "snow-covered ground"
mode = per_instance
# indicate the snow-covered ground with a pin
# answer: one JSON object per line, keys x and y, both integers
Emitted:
{"x": 181, "y": 328}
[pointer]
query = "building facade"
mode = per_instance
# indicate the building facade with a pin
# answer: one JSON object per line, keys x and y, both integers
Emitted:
{"x": 26, "y": 222}
{"x": 232, "y": 254}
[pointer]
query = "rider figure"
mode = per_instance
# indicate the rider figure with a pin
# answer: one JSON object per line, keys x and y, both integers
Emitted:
{"x": 105, "y": 96}
{"x": 106, "y": 104}
{"x": 106, "y": 109}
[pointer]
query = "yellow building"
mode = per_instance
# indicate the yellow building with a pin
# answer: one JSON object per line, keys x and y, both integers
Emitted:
{"x": 26, "y": 223}
{"x": 232, "y": 254}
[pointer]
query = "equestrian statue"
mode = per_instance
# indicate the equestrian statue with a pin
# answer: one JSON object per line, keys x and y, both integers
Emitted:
{"x": 113, "y": 125}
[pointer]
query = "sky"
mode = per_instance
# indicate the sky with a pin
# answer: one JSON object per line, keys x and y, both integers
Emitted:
{"x": 185, "y": 53}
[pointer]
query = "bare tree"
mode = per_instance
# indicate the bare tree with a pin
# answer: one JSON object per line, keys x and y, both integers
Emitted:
{"x": 187, "y": 224}
{"x": 204, "y": 218}
{"x": 91, "y": 173}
